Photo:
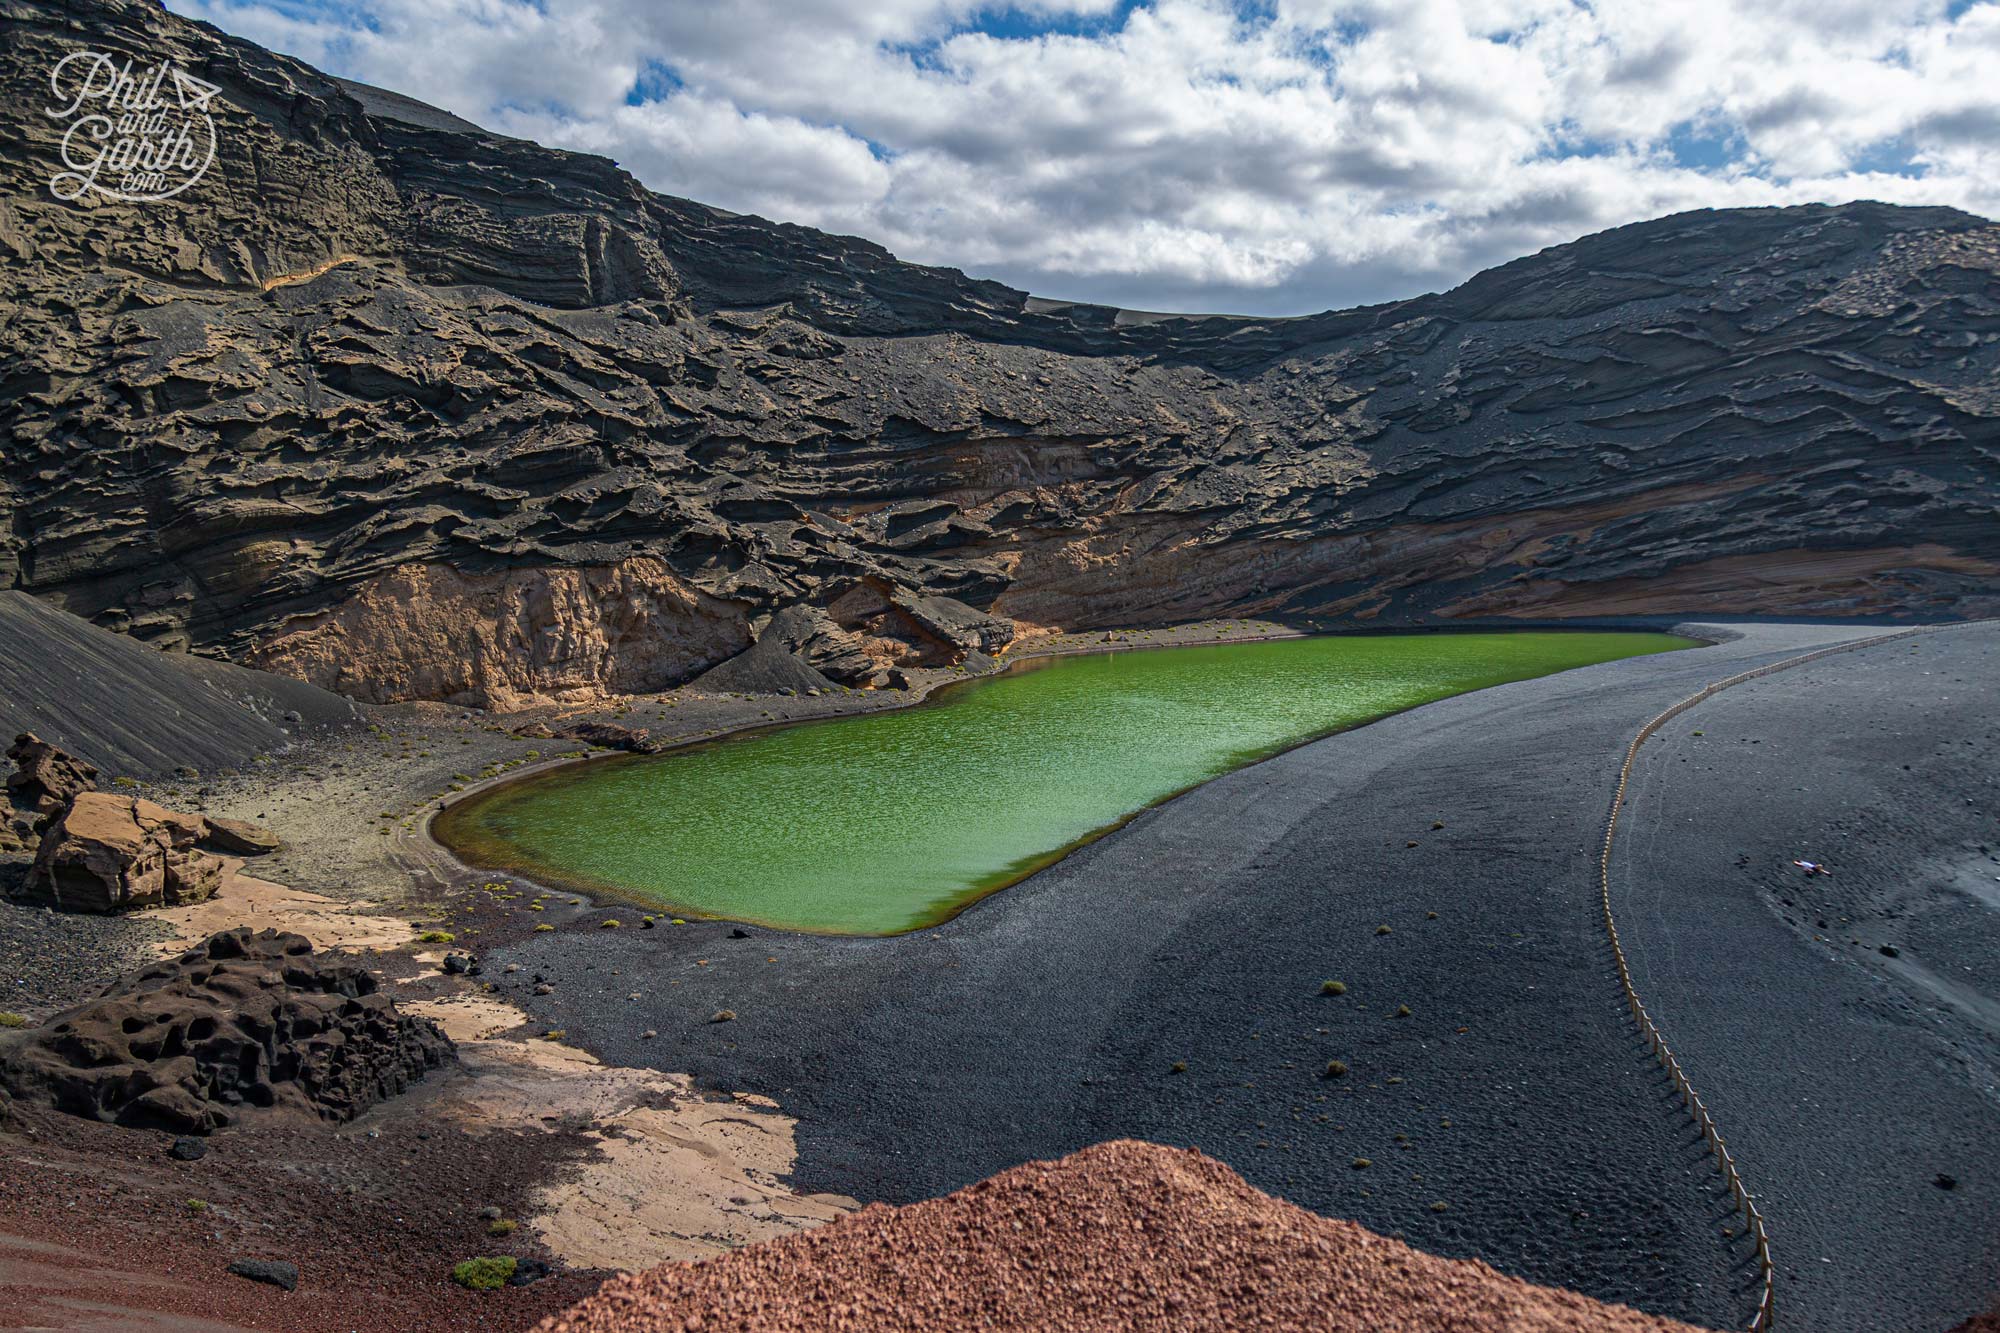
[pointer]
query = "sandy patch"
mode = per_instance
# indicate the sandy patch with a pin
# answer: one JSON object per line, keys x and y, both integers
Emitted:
{"x": 330, "y": 923}
{"x": 468, "y": 1017}
{"x": 679, "y": 1175}
{"x": 692, "y": 1179}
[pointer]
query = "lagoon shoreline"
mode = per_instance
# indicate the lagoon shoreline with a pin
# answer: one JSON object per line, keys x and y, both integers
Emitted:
{"x": 1198, "y": 935}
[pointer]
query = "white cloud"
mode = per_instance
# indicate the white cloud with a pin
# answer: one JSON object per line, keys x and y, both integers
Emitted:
{"x": 1286, "y": 157}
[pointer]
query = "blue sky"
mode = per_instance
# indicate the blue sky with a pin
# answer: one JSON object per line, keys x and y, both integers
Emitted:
{"x": 1278, "y": 156}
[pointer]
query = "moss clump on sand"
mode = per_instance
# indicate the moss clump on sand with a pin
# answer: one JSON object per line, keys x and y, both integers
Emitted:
{"x": 484, "y": 1274}
{"x": 436, "y": 937}
{"x": 12, "y": 1020}
{"x": 1333, "y": 988}
{"x": 544, "y": 926}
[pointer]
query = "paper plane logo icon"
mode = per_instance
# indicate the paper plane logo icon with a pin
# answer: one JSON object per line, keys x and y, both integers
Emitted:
{"x": 194, "y": 93}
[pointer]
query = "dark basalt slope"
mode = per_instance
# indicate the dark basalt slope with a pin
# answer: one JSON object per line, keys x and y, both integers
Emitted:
{"x": 409, "y": 410}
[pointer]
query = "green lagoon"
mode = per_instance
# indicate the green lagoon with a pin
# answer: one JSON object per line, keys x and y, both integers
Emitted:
{"x": 893, "y": 821}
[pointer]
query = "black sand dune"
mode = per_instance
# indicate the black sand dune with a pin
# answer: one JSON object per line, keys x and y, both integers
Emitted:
{"x": 134, "y": 710}
{"x": 1514, "y": 1092}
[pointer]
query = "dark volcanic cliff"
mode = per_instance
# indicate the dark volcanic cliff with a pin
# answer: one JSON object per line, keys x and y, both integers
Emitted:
{"x": 409, "y": 410}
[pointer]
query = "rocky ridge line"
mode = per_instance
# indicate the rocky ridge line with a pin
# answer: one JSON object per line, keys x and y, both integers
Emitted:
{"x": 409, "y": 410}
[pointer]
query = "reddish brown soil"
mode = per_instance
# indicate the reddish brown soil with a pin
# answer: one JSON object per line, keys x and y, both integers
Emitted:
{"x": 1122, "y": 1236}
{"x": 96, "y": 1231}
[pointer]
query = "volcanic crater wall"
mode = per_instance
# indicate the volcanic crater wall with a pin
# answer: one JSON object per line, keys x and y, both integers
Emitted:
{"x": 411, "y": 410}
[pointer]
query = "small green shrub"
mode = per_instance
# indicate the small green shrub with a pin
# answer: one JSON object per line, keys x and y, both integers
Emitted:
{"x": 502, "y": 1226}
{"x": 9, "y": 1019}
{"x": 1178, "y": 1067}
{"x": 1336, "y": 1069}
{"x": 610, "y": 923}
{"x": 1333, "y": 988}
{"x": 544, "y": 926}
{"x": 1381, "y": 930}
{"x": 484, "y": 1274}
{"x": 436, "y": 937}
{"x": 1362, "y": 1164}
{"x": 1402, "y": 1011}
{"x": 1440, "y": 1206}
{"x": 197, "y": 1205}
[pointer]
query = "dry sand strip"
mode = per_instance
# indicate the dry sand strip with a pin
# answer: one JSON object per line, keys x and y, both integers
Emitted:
{"x": 1195, "y": 940}
{"x": 676, "y": 1174}
{"x": 1854, "y": 1082}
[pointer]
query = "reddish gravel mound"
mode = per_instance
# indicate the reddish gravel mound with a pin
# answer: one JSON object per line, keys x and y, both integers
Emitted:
{"x": 1121, "y": 1236}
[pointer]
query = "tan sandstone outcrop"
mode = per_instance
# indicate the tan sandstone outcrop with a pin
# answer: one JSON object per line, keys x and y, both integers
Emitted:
{"x": 45, "y": 779}
{"x": 110, "y": 853}
{"x": 511, "y": 639}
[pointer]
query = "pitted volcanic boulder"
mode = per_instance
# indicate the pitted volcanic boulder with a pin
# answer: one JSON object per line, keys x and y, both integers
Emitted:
{"x": 244, "y": 1021}
{"x": 45, "y": 779}
{"x": 110, "y": 853}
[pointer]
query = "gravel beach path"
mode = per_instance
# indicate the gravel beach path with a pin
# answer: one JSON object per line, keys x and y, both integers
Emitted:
{"x": 1166, "y": 983}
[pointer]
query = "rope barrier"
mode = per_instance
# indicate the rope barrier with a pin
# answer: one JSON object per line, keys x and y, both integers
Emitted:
{"x": 1656, "y": 1041}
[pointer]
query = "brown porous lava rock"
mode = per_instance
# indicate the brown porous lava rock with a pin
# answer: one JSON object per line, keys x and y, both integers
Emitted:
{"x": 1122, "y": 1236}
{"x": 110, "y": 853}
{"x": 242, "y": 1021}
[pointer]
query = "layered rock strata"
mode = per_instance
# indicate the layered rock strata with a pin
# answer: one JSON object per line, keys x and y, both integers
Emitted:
{"x": 415, "y": 411}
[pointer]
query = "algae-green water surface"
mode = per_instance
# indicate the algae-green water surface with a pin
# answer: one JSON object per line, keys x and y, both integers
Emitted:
{"x": 886, "y": 822}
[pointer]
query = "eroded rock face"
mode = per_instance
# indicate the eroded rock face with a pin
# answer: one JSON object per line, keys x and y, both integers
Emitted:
{"x": 111, "y": 853}
{"x": 507, "y": 640}
{"x": 373, "y": 346}
{"x": 45, "y": 779}
{"x": 244, "y": 1021}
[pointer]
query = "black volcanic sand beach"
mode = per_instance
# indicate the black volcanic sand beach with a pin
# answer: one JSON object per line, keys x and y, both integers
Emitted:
{"x": 1165, "y": 983}
{"x": 1845, "y": 1029}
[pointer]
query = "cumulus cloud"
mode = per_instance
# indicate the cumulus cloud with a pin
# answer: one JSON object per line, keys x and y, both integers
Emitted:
{"x": 1281, "y": 156}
